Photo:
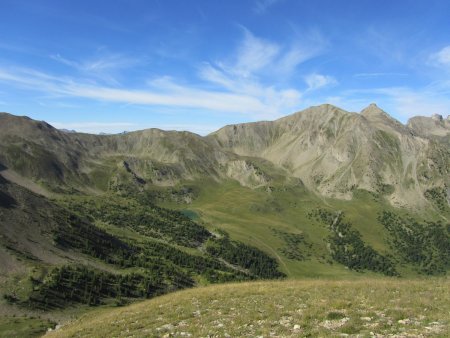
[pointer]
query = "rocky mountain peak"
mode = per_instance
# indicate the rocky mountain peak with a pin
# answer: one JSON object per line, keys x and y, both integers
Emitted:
{"x": 437, "y": 117}
{"x": 433, "y": 126}
{"x": 373, "y": 111}
{"x": 382, "y": 120}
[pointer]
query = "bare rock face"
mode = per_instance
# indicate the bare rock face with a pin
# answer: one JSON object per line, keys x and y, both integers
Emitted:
{"x": 246, "y": 173}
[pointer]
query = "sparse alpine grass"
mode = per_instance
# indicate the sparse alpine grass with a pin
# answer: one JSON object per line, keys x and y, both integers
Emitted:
{"x": 296, "y": 308}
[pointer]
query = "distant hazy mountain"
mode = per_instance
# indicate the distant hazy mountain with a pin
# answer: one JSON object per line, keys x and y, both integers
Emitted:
{"x": 435, "y": 127}
{"x": 68, "y": 130}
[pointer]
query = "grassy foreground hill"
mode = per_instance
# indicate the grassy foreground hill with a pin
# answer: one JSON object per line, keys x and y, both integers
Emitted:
{"x": 308, "y": 308}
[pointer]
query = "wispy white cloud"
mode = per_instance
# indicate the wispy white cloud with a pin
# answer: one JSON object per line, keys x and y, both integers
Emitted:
{"x": 373, "y": 75}
{"x": 254, "y": 54}
{"x": 441, "y": 58}
{"x": 257, "y": 56}
{"x": 177, "y": 96}
{"x": 64, "y": 61}
{"x": 32, "y": 79}
{"x": 252, "y": 80}
{"x": 386, "y": 46}
{"x": 243, "y": 79}
{"x": 261, "y": 6}
{"x": 316, "y": 81}
{"x": 109, "y": 62}
{"x": 170, "y": 95}
{"x": 296, "y": 55}
{"x": 104, "y": 67}
{"x": 273, "y": 101}
{"x": 409, "y": 102}
{"x": 256, "y": 59}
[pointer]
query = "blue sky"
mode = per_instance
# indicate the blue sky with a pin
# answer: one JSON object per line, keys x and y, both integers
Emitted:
{"x": 192, "y": 65}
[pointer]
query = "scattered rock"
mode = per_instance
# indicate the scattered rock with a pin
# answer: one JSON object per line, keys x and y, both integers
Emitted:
{"x": 334, "y": 324}
{"x": 166, "y": 327}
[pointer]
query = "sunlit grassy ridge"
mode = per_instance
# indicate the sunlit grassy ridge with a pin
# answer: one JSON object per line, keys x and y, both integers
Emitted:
{"x": 313, "y": 308}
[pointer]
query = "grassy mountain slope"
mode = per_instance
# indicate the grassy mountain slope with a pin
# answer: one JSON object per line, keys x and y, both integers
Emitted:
{"x": 287, "y": 223}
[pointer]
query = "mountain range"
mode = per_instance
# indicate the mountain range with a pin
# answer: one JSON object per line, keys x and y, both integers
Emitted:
{"x": 320, "y": 193}
{"x": 333, "y": 152}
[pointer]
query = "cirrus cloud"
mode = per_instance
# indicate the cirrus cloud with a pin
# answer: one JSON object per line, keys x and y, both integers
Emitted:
{"x": 441, "y": 58}
{"x": 316, "y": 81}
{"x": 250, "y": 81}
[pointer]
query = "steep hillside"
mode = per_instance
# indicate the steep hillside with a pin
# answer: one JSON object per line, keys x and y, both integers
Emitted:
{"x": 27, "y": 222}
{"x": 37, "y": 151}
{"x": 87, "y": 251}
{"x": 335, "y": 152}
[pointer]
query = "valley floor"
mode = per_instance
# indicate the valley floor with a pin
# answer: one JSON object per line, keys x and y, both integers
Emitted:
{"x": 296, "y": 308}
